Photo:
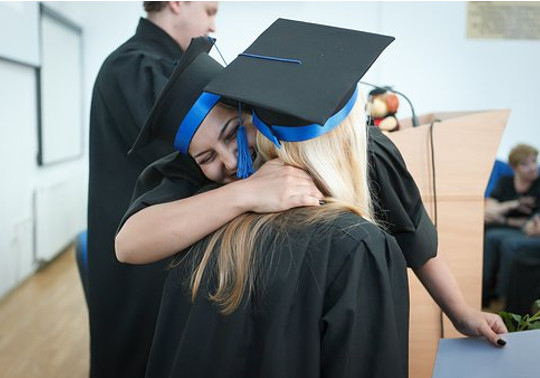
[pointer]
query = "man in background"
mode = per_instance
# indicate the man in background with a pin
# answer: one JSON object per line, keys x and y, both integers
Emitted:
{"x": 123, "y": 300}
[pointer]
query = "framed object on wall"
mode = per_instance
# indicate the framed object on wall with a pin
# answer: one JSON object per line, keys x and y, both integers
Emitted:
{"x": 60, "y": 89}
{"x": 19, "y": 32}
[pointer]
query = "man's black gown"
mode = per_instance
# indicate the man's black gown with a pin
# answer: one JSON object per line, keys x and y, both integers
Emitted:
{"x": 398, "y": 206}
{"x": 123, "y": 299}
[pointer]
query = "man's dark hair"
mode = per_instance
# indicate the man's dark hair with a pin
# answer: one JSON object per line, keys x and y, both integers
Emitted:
{"x": 154, "y": 6}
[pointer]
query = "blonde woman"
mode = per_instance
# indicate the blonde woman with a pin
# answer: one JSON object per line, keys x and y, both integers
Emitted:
{"x": 315, "y": 291}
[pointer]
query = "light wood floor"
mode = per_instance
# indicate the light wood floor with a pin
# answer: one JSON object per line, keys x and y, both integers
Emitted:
{"x": 44, "y": 325}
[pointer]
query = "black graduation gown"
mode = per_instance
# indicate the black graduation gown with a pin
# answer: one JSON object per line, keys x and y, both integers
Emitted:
{"x": 398, "y": 204}
{"x": 398, "y": 200}
{"x": 331, "y": 301}
{"x": 123, "y": 300}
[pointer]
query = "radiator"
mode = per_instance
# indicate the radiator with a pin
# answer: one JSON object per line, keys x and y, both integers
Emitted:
{"x": 60, "y": 214}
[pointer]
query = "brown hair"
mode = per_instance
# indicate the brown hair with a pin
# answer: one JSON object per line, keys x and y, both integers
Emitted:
{"x": 153, "y": 6}
{"x": 520, "y": 153}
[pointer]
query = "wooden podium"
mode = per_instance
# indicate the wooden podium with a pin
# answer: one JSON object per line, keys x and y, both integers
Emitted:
{"x": 452, "y": 177}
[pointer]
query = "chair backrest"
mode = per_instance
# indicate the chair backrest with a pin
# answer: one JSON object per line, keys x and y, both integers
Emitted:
{"x": 82, "y": 260}
{"x": 500, "y": 168}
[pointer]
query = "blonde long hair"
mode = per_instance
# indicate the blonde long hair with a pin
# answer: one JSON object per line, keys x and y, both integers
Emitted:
{"x": 337, "y": 161}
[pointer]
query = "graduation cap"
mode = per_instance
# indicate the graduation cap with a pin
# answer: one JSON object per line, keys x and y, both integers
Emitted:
{"x": 182, "y": 105}
{"x": 299, "y": 78}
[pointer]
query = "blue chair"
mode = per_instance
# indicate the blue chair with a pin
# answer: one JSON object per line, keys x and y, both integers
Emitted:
{"x": 500, "y": 168}
{"x": 81, "y": 256}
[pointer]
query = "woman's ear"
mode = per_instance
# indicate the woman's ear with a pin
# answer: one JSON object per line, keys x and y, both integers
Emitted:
{"x": 175, "y": 6}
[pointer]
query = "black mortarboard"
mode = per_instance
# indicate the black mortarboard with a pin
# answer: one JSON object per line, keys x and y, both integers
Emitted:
{"x": 297, "y": 74}
{"x": 182, "y": 105}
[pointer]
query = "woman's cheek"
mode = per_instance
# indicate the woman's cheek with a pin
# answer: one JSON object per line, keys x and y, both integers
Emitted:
{"x": 212, "y": 172}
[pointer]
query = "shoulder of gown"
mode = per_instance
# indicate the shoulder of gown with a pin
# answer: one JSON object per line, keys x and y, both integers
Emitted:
{"x": 398, "y": 204}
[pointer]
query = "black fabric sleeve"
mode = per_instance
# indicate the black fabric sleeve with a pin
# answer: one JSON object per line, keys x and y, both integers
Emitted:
{"x": 139, "y": 78}
{"x": 165, "y": 180}
{"x": 132, "y": 84}
{"x": 398, "y": 204}
{"x": 365, "y": 320}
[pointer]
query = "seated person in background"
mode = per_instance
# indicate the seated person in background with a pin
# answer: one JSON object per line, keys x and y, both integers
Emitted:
{"x": 318, "y": 291}
{"x": 507, "y": 210}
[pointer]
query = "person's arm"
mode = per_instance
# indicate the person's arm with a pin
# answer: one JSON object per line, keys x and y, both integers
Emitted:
{"x": 400, "y": 201}
{"x": 515, "y": 222}
{"x": 495, "y": 211}
{"x": 161, "y": 230}
{"x": 439, "y": 281}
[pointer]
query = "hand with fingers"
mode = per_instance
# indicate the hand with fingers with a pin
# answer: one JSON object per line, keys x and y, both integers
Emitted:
{"x": 278, "y": 187}
{"x": 471, "y": 322}
{"x": 532, "y": 227}
{"x": 526, "y": 204}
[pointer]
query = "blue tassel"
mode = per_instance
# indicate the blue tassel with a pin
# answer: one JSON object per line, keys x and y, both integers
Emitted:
{"x": 245, "y": 165}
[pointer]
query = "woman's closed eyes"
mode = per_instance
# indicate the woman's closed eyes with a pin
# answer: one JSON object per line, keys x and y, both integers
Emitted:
{"x": 230, "y": 131}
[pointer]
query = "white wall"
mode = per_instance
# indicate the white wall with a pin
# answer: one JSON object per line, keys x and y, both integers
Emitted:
{"x": 20, "y": 19}
{"x": 434, "y": 62}
{"x": 20, "y": 237}
{"x": 18, "y": 163}
{"x": 431, "y": 61}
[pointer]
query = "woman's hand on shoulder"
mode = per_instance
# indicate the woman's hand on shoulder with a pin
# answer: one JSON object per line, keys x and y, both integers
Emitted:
{"x": 277, "y": 187}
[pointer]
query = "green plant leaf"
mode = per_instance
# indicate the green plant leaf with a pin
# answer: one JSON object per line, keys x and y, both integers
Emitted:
{"x": 535, "y": 325}
{"x": 508, "y": 320}
{"x": 516, "y": 317}
{"x": 517, "y": 323}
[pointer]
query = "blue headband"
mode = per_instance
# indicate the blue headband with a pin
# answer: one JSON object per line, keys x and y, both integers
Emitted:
{"x": 193, "y": 120}
{"x": 277, "y": 133}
